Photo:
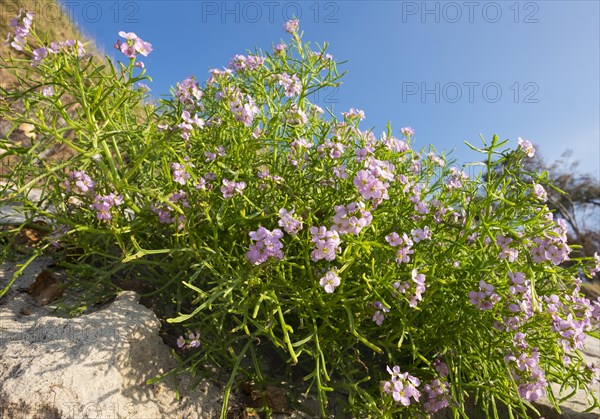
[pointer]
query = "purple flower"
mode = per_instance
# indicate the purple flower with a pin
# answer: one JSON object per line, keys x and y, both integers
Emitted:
{"x": 351, "y": 219}
{"x": 421, "y": 234}
{"x": 295, "y": 116}
{"x": 407, "y": 131}
{"x": 327, "y": 243}
{"x": 437, "y": 396}
{"x": 379, "y": 315}
{"x": 402, "y": 386}
{"x": 354, "y": 113}
{"x": 539, "y": 192}
{"x": 330, "y": 281}
{"x": 244, "y": 112}
{"x": 594, "y": 270}
{"x": 194, "y": 339}
{"x": 527, "y": 147}
{"x": 291, "y": 26}
{"x": 103, "y": 204}
{"x": 267, "y": 244}
{"x": 82, "y": 182}
{"x": 38, "y": 55}
{"x": 188, "y": 91}
{"x": 290, "y": 224}
{"x": 181, "y": 342}
{"x": 485, "y": 298}
{"x": 48, "y": 91}
{"x": 279, "y": 49}
{"x": 231, "y": 188}
{"x": 21, "y": 26}
{"x": 291, "y": 84}
{"x": 133, "y": 45}
{"x": 179, "y": 174}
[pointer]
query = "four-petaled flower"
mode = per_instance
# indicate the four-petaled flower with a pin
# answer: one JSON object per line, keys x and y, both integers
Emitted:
{"x": 330, "y": 281}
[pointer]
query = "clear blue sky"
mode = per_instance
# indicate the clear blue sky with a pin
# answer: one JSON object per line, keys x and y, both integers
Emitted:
{"x": 526, "y": 69}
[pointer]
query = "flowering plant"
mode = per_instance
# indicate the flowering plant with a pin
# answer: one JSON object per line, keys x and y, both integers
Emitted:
{"x": 259, "y": 224}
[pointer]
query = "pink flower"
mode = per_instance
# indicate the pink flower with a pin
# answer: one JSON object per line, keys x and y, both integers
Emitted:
{"x": 421, "y": 234}
{"x": 267, "y": 245}
{"x": 291, "y": 26}
{"x": 290, "y": 224}
{"x": 330, "y": 281}
{"x": 527, "y": 147}
{"x": 179, "y": 174}
{"x": 540, "y": 192}
{"x": 231, "y": 188}
{"x": 407, "y": 131}
{"x": 354, "y": 113}
{"x": 133, "y": 45}
{"x": 279, "y": 49}
{"x": 291, "y": 84}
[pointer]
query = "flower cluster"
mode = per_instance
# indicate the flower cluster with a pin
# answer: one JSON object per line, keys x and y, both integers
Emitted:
{"x": 402, "y": 386}
{"x": 193, "y": 340}
{"x": 392, "y": 143}
{"x": 82, "y": 181}
{"x": 526, "y": 371}
{"x": 39, "y": 54}
{"x": 295, "y": 116}
{"x": 243, "y": 112}
{"x": 291, "y": 26}
{"x": 335, "y": 148}
{"x": 188, "y": 92}
{"x": 539, "y": 192}
{"x": 380, "y": 311}
{"x": 267, "y": 245}
{"x": 351, "y": 219}
{"x": 231, "y": 188}
{"x": 404, "y": 243}
{"x": 372, "y": 182}
{"x": 103, "y": 204}
{"x": 419, "y": 234}
{"x": 436, "y": 395}
{"x": 290, "y": 223}
{"x": 553, "y": 247}
{"x": 21, "y": 26}
{"x": 506, "y": 252}
{"x": 414, "y": 290}
{"x": 179, "y": 174}
{"x": 456, "y": 178}
{"x": 250, "y": 63}
{"x": 133, "y": 45}
{"x": 291, "y": 84}
{"x": 520, "y": 303}
{"x": 188, "y": 123}
{"x": 327, "y": 243}
{"x": 527, "y": 147}
{"x": 407, "y": 131}
{"x": 354, "y": 114}
{"x": 299, "y": 154}
{"x": 485, "y": 298}
{"x": 595, "y": 269}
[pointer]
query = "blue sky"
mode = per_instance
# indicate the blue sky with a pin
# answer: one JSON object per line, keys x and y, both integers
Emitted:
{"x": 451, "y": 70}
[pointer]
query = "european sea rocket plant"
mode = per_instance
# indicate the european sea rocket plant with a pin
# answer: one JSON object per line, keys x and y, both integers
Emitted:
{"x": 272, "y": 225}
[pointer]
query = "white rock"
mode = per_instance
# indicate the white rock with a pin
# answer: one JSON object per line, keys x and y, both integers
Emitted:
{"x": 93, "y": 366}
